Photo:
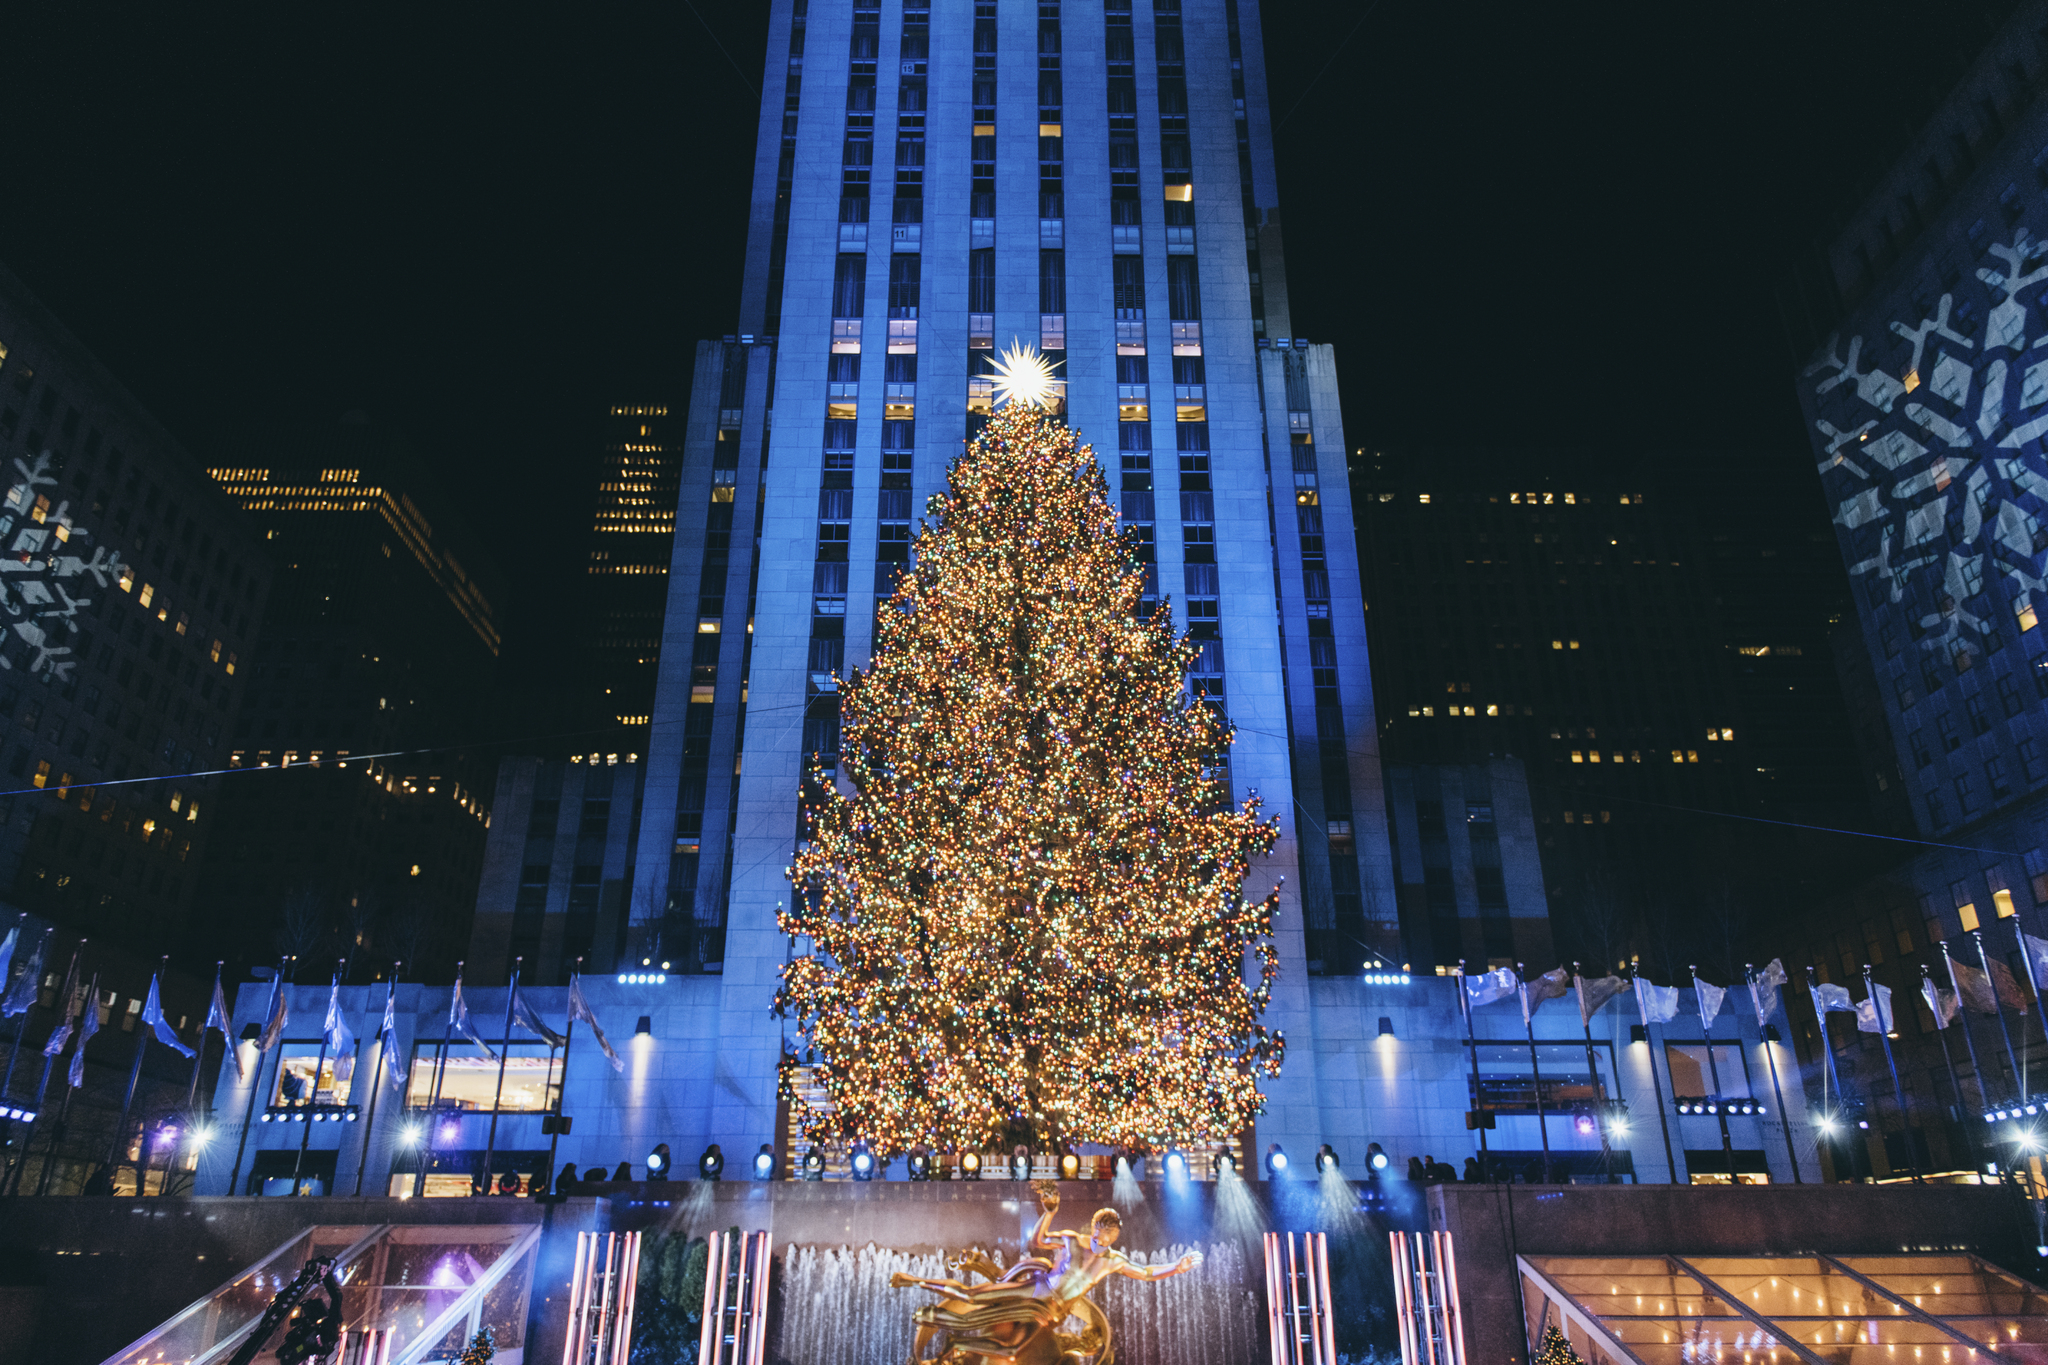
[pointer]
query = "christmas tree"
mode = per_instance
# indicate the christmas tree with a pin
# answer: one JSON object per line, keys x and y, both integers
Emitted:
{"x": 1555, "y": 1349}
{"x": 482, "y": 1349}
{"x": 1027, "y": 915}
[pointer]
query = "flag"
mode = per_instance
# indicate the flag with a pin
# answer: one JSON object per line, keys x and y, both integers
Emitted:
{"x": 1497, "y": 984}
{"x": 274, "y": 1030}
{"x": 387, "y": 1033}
{"x": 7, "y": 949}
{"x": 1594, "y": 995}
{"x": 2036, "y": 952}
{"x": 524, "y": 1016}
{"x": 579, "y": 1008}
{"x": 153, "y": 1015}
{"x": 1552, "y": 985}
{"x": 23, "y": 993}
{"x": 2008, "y": 987}
{"x": 458, "y": 1019}
{"x": 67, "y": 1003}
{"x": 1763, "y": 990}
{"x": 1874, "y": 1015}
{"x": 92, "y": 1026}
{"x": 1829, "y": 997}
{"x": 1943, "y": 1003}
{"x": 217, "y": 1017}
{"x": 1657, "y": 1004}
{"x": 1983, "y": 993}
{"x": 341, "y": 1043}
{"x": 1710, "y": 999}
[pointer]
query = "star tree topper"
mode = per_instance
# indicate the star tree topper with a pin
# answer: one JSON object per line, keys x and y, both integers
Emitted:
{"x": 1023, "y": 375}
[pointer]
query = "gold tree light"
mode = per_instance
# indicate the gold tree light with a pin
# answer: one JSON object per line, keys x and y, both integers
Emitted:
{"x": 1024, "y": 376}
{"x": 1026, "y": 910}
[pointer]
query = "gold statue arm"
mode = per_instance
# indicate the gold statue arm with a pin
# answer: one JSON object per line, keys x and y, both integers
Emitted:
{"x": 1043, "y": 1238}
{"x": 1159, "y": 1272}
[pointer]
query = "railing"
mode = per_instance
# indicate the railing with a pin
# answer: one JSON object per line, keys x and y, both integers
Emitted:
{"x": 1298, "y": 1312}
{"x": 1426, "y": 1299}
{"x": 735, "y": 1299}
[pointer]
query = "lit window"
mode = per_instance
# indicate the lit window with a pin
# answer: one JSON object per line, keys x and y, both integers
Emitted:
{"x": 1429, "y": 710}
{"x": 1493, "y": 710}
{"x": 1514, "y": 497}
{"x": 43, "y": 773}
{"x": 1549, "y": 498}
{"x": 184, "y": 620}
{"x": 1712, "y": 734}
{"x": 147, "y": 593}
{"x": 415, "y": 869}
{"x": 177, "y": 799}
{"x": 1575, "y": 644}
{"x": 1468, "y": 710}
{"x": 231, "y": 665}
{"x": 1424, "y": 497}
{"x": 1727, "y": 733}
{"x": 1593, "y": 756}
{"x": 1967, "y": 912}
{"x": 1578, "y": 756}
{"x": 1557, "y": 644}
{"x": 1634, "y": 756}
{"x": 214, "y": 653}
{"x": 1605, "y": 817}
{"x": 1569, "y": 818}
{"x": 1678, "y": 755}
{"x": 1692, "y": 755}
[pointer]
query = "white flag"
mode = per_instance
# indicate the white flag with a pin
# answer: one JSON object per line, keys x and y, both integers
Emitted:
{"x": 1497, "y": 984}
{"x": 1874, "y": 1015}
{"x": 2037, "y": 959}
{"x": 1943, "y": 1003}
{"x": 458, "y": 1019}
{"x": 1763, "y": 990}
{"x": 1710, "y": 999}
{"x": 579, "y": 1008}
{"x": 387, "y": 1032}
{"x": 1657, "y": 1004}
{"x": 341, "y": 1043}
{"x": 1831, "y": 997}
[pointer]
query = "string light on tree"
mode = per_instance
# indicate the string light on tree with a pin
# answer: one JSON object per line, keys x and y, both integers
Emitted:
{"x": 1025, "y": 910}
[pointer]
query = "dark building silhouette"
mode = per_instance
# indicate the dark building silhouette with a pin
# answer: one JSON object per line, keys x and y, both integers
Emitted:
{"x": 632, "y": 536}
{"x": 380, "y": 668}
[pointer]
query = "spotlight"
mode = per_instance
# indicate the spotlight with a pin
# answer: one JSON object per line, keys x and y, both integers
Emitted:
{"x": 644, "y": 1027}
{"x": 266, "y": 1117}
{"x": 814, "y": 1164}
{"x": 764, "y": 1162}
{"x": 658, "y": 1162}
{"x": 1020, "y": 1163}
{"x": 1276, "y": 1161}
{"x": 1863, "y": 1124}
{"x": 1070, "y": 1167}
{"x": 1176, "y": 1166}
{"x": 2032, "y": 1110}
{"x": 1713, "y": 1109}
{"x": 1226, "y": 1163}
{"x": 970, "y": 1165}
{"x": 1326, "y": 1158}
{"x": 919, "y": 1164}
{"x": 1585, "y": 1125}
{"x": 711, "y": 1163}
{"x": 412, "y": 1134}
{"x": 1828, "y": 1127}
{"x": 863, "y": 1162}
{"x": 1386, "y": 1026}
{"x": 1376, "y": 1157}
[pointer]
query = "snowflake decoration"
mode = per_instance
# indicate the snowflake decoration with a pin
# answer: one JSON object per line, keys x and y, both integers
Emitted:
{"x": 40, "y": 571}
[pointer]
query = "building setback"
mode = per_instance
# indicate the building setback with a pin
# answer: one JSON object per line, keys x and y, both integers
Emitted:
{"x": 363, "y": 829}
{"x": 932, "y": 184}
{"x": 133, "y": 603}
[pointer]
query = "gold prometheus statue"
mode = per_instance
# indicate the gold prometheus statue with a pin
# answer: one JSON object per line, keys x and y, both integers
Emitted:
{"x": 1018, "y": 1316}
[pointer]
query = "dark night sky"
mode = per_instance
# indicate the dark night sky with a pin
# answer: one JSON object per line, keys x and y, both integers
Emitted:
{"x": 1533, "y": 226}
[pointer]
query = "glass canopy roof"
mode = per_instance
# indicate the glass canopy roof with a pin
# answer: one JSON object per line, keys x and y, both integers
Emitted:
{"x": 1927, "y": 1309}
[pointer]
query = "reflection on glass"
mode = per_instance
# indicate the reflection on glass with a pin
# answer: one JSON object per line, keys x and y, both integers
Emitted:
{"x": 469, "y": 1081}
{"x": 295, "y": 1085}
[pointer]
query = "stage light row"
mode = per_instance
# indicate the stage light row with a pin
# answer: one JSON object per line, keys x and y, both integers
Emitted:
{"x": 1720, "y": 1107}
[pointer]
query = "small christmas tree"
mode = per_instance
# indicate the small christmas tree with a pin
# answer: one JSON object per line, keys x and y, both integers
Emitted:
{"x": 482, "y": 1348}
{"x": 1555, "y": 1349}
{"x": 1028, "y": 914}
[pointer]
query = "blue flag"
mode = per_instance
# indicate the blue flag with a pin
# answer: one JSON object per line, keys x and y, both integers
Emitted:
{"x": 524, "y": 1016}
{"x": 92, "y": 1026}
{"x": 387, "y": 1033}
{"x": 23, "y": 993}
{"x": 153, "y": 1015}
{"x": 458, "y": 1019}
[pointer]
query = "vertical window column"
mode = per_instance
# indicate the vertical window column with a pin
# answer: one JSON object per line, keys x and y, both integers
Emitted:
{"x": 785, "y": 166}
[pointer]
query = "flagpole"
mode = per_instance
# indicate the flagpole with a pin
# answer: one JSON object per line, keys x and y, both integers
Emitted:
{"x": 419, "y": 1185}
{"x": 255, "y": 1081}
{"x": 1714, "y": 1072}
{"x": 1882, "y": 1014}
{"x": 1593, "y": 1073}
{"x": 199, "y": 1053}
{"x": 504, "y": 1056}
{"x": 1656, "y": 1083}
{"x": 568, "y": 1036}
{"x": 1471, "y": 1044}
{"x": 1963, "y": 1014}
{"x": 128, "y": 1101}
{"x": 1535, "y": 1069}
{"x": 319, "y": 1065}
{"x": 11, "y": 1182}
{"x": 1941, "y": 1031}
{"x": 2018, "y": 1079}
{"x": 1777, "y": 1091}
{"x": 377, "y": 1078}
{"x": 1827, "y": 1047}
{"x": 92, "y": 1002}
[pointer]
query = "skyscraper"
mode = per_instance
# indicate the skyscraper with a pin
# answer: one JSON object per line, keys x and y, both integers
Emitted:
{"x": 632, "y": 537}
{"x": 934, "y": 183}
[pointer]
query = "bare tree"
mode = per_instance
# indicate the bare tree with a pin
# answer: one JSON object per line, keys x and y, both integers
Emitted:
{"x": 362, "y": 920}
{"x": 303, "y": 928}
{"x": 1600, "y": 921}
